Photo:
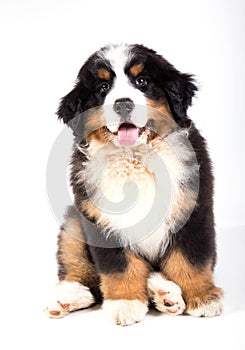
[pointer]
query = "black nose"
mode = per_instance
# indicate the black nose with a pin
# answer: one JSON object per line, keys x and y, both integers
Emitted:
{"x": 123, "y": 106}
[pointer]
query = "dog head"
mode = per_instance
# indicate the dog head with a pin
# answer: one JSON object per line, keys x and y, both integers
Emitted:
{"x": 123, "y": 92}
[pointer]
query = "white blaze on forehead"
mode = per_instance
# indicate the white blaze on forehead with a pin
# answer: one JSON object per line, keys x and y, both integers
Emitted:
{"x": 119, "y": 56}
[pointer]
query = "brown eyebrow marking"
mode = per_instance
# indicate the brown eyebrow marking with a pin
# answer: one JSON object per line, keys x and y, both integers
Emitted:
{"x": 103, "y": 74}
{"x": 136, "y": 69}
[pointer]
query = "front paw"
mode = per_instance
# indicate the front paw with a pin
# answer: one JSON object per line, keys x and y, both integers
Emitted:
{"x": 206, "y": 304}
{"x": 165, "y": 295}
{"x": 125, "y": 312}
{"x": 67, "y": 297}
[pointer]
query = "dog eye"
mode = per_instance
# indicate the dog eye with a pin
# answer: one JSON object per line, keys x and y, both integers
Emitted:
{"x": 104, "y": 87}
{"x": 141, "y": 82}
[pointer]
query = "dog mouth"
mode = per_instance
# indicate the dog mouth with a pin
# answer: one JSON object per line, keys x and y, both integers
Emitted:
{"x": 128, "y": 134}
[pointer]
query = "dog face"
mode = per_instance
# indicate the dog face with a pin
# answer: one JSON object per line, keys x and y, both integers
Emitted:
{"x": 123, "y": 93}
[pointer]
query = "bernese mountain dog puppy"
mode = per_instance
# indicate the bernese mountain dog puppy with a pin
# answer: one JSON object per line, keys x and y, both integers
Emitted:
{"x": 141, "y": 230}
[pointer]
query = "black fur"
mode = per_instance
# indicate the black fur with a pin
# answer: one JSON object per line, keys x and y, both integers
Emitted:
{"x": 85, "y": 94}
{"x": 164, "y": 81}
{"x": 109, "y": 260}
{"x": 94, "y": 250}
{"x": 196, "y": 238}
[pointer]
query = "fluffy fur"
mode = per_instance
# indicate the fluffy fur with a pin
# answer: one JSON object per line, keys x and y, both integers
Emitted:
{"x": 143, "y": 188}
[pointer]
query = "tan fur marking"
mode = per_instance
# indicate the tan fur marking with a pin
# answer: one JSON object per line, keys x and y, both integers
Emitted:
{"x": 98, "y": 139}
{"x": 74, "y": 256}
{"x": 98, "y": 136}
{"x": 91, "y": 210}
{"x": 136, "y": 69}
{"x": 196, "y": 283}
{"x": 130, "y": 285}
{"x": 103, "y": 74}
{"x": 94, "y": 120}
{"x": 162, "y": 106}
{"x": 72, "y": 226}
{"x": 159, "y": 112}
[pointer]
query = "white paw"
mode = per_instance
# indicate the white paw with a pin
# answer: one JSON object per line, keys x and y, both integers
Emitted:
{"x": 67, "y": 297}
{"x": 210, "y": 309}
{"x": 166, "y": 295}
{"x": 125, "y": 312}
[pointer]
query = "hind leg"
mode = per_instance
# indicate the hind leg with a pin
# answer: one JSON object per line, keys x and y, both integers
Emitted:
{"x": 78, "y": 285}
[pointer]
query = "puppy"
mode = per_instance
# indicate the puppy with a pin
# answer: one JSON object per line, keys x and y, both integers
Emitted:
{"x": 142, "y": 226}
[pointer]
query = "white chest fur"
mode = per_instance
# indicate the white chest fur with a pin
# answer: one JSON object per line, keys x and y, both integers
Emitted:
{"x": 141, "y": 192}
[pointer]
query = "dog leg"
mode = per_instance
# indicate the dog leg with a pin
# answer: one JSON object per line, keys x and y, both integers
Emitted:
{"x": 201, "y": 296}
{"x": 125, "y": 291}
{"x": 67, "y": 297}
{"x": 78, "y": 285}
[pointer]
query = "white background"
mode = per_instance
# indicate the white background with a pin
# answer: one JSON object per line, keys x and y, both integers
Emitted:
{"x": 43, "y": 45}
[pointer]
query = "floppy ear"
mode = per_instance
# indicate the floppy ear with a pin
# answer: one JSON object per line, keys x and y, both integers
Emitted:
{"x": 179, "y": 89}
{"x": 73, "y": 103}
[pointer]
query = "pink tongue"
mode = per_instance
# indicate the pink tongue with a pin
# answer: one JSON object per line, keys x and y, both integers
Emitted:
{"x": 127, "y": 134}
